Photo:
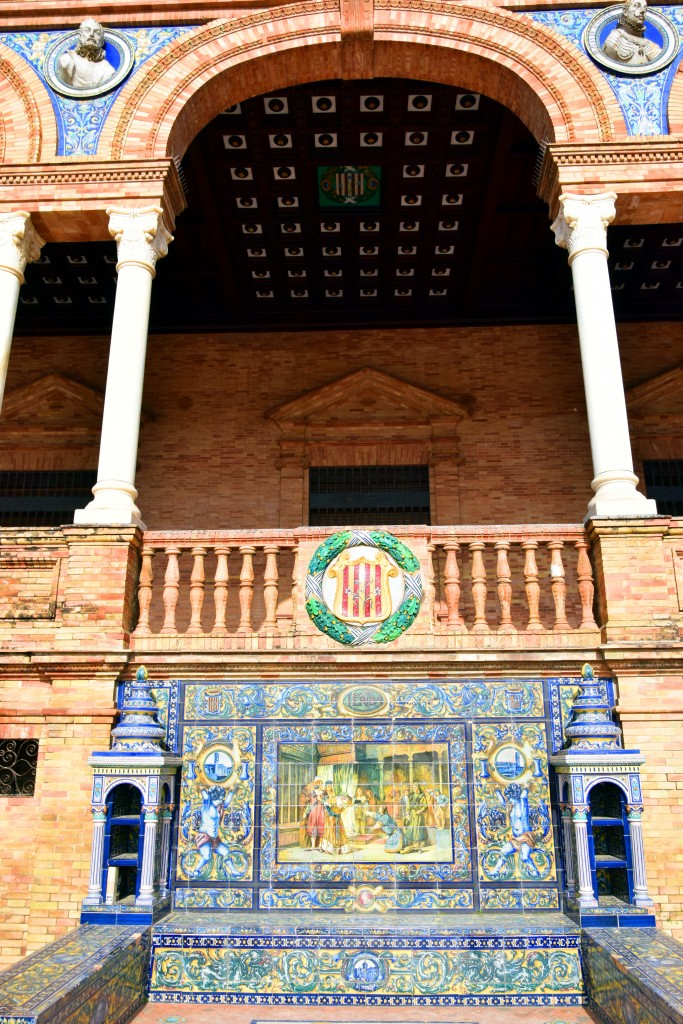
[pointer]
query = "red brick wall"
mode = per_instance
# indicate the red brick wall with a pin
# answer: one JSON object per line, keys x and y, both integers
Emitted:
{"x": 208, "y": 456}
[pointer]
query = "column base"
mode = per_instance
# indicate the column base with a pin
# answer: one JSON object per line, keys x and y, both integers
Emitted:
{"x": 113, "y": 504}
{"x": 616, "y": 495}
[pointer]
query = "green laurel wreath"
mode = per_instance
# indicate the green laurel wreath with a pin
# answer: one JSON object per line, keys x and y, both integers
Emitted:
{"x": 391, "y": 628}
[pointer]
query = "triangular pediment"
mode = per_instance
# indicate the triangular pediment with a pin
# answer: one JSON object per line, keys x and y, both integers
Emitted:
{"x": 660, "y": 394}
{"x": 53, "y": 402}
{"x": 368, "y": 396}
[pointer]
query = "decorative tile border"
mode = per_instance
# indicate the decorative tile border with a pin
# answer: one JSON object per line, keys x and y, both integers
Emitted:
{"x": 213, "y": 899}
{"x": 644, "y": 99}
{"x": 321, "y": 970}
{"x": 472, "y": 698}
{"x": 382, "y": 900}
{"x": 519, "y": 899}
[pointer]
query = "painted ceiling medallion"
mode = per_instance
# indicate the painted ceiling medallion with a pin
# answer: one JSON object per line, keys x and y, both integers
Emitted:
{"x": 349, "y": 185}
{"x": 363, "y": 587}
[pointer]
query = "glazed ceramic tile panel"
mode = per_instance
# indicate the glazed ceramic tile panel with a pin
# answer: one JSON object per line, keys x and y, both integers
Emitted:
{"x": 94, "y": 974}
{"x": 391, "y": 795}
{"x": 372, "y": 970}
{"x": 216, "y": 831}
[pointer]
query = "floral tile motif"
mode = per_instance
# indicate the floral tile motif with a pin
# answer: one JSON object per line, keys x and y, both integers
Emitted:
{"x": 366, "y": 898}
{"x": 213, "y": 899}
{"x": 527, "y": 898}
{"x": 80, "y": 121}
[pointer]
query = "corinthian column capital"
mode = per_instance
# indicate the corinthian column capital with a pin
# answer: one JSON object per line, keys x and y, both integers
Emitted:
{"x": 20, "y": 243}
{"x": 582, "y": 223}
{"x": 141, "y": 237}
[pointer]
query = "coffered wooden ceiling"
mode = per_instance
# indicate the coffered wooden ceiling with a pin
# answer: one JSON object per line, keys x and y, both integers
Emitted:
{"x": 435, "y": 221}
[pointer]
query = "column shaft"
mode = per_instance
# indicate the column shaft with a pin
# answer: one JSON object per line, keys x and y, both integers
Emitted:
{"x": 586, "y": 896}
{"x": 641, "y": 896}
{"x": 142, "y": 240}
{"x": 581, "y": 228}
{"x": 19, "y": 244}
{"x": 146, "y": 891}
{"x": 94, "y": 897}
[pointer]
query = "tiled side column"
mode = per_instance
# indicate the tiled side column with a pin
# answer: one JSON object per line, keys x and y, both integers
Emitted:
{"x": 146, "y": 893}
{"x": 581, "y": 229}
{"x": 641, "y": 896}
{"x": 585, "y": 894}
{"x": 94, "y": 897}
{"x": 141, "y": 240}
{"x": 20, "y": 244}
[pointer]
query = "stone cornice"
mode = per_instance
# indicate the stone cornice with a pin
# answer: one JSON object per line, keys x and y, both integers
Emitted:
{"x": 59, "y": 193}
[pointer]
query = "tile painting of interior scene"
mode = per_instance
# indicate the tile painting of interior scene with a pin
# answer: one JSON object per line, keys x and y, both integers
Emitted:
{"x": 364, "y": 802}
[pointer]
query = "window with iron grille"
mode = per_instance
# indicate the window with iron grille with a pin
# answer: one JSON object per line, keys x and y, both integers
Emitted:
{"x": 18, "y": 760}
{"x": 43, "y": 498}
{"x": 367, "y": 495}
{"x": 664, "y": 482}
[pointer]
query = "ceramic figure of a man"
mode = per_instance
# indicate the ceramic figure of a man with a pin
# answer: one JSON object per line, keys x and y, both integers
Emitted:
{"x": 86, "y": 67}
{"x": 627, "y": 43}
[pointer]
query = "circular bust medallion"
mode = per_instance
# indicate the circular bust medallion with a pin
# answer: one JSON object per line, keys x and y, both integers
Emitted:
{"x": 71, "y": 75}
{"x": 613, "y": 47}
{"x": 363, "y": 587}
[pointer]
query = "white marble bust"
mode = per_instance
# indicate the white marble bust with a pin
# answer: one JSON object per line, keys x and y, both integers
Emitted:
{"x": 86, "y": 67}
{"x": 626, "y": 44}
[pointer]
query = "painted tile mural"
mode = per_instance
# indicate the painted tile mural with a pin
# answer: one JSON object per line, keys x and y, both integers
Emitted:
{"x": 216, "y": 831}
{"x": 513, "y": 803}
{"x": 365, "y": 802}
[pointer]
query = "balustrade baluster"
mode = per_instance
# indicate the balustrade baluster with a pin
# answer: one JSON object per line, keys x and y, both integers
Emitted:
{"x": 451, "y": 582}
{"x": 145, "y": 591}
{"x": 171, "y": 591}
{"x": 584, "y": 573}
{"x": 246, "y": 589}
{"x": 532, "y": 586}
{"x": 270, "y": 588}
{"x": 295, "y": 590}
{"x": 504, "y": 587}
{"x": 430, "y": 588}
{"x": 479, "y": 587}
{"x": 197, "y": 592}
{"x": 558, "y": 585}
{"x": 220, "y": 590}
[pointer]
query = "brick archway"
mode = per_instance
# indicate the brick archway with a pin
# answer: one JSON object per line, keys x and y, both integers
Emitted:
{"x": 531, "y": 70}
{"x": 28, "y": 130}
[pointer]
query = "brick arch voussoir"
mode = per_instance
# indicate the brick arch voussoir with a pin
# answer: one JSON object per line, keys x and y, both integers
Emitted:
{"x": 531, "y": 70}
{"x": 28, "y": 128}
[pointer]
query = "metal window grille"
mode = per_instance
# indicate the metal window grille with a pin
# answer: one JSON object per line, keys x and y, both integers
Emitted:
{"x": 43, "y": 498}
{"x": 367, "y": 495}
{"x": 664, "y": 483}
{"x": 18, "y": 760}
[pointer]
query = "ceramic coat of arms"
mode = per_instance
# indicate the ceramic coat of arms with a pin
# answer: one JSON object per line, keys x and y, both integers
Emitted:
{"x": 363, "y": 587}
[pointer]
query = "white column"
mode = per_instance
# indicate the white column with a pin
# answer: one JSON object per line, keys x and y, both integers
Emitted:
{"x": 569, "y": 880}
{"x": 146, "y": 892}
{"x": 94, "y": 897}
{"x": 141, "y": 240}
{"x": 641, "y": 896}
{"x": 20, "y": 244}
{"x": 166, "y": 817}
{"x": 581, "y": 228}
{"x": 585, "y": 896}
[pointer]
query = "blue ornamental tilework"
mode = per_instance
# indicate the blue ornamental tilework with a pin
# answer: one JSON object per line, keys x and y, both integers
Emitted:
{"x": 213, "y": 899}
{"x": 512, "y": 797}
{"x": 166, "y": 695}
{"x": 561, "y": 694}
{"x": 634, "y": 974}
{"x": 527, "y": 898}
{"x": 381, "y": 900}
{"x": 317, "y": 845}
{"x": 93, "y": 974}
{"x": 643, "y": 99}
{"x": 370, "y": 970}
{"x": 472, "y": 698}
{"x": 216, "y": 830}
{"x": 80, "y": 122}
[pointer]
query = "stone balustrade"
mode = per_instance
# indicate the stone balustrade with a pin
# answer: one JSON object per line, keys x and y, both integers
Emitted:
{"x": 484, "y": 587}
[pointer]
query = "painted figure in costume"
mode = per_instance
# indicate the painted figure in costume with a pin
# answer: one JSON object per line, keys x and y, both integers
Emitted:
{"x": 86, "y": 66}
{"x": 304, "y": 804}
{"x": 395, "y": 840}
{"x": 214, "y": 801}
{"x": 361, "y": 810}
{"x": 416, "y": 832}
{"x": 315, "y": 814}
{"x": 348, "y": 816}
{"x": 627, "y": 43}
{"x": 335, "y": 840}
{"x": 516, "y": 804}
{"x": 404, "y": 805}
